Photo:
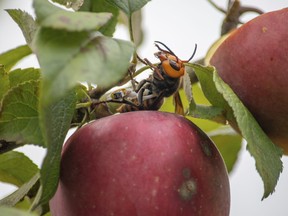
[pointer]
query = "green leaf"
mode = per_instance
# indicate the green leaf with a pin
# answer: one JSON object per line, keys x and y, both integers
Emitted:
{"x": 228, "y": 143}
{"x": 220, "y": 109}
{"x": 26, "y": 23}
{"x": 74, "y": 4}
{"x": 19, "y": 114}
{"x": 69, "y": 58}
{"x": 205, "y": 77}
{"x": 203, "y": 123}
{"x": 44, "y": 9}
{"x": 6, "y": 211}
{"x": 103, "y": 6}
{"x": 129, "y": 6}
{"x": 80, "y": 21}
{"x": 4, "y": 82}
{"x": 55, "y": 123}
{"x": 266, "y": 154}
{"x": 11, "y": 57}
{"x": 207, "y": 112}
{"x": 51, "y": 16}
{"x": 19, "y": 194}
{"x": 16, "y": 168}
{"x": 20, "y": 76}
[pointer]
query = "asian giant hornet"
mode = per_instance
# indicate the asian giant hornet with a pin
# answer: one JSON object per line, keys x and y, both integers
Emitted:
{"x": 165, "y": 79}
{"x": 163, "y": 82}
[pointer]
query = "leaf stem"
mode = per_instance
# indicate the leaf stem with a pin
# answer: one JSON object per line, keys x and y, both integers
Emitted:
{"x": 83, "y": 105}
{"x": 134, "y": 59}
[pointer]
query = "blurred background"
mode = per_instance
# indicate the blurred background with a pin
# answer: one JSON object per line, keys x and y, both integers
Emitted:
{"x": 179, "y": 24}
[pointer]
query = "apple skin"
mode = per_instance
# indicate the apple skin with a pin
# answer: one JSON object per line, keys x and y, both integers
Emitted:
{"x": 141, "y": 163}
{"x": 253, "y": 61}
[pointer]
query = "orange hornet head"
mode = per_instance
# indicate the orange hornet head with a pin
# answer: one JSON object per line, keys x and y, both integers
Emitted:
{"x": 172, "y": 65}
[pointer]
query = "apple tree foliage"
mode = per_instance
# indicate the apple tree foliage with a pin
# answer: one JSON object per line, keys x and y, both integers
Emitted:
{"x": 76, "y": 46}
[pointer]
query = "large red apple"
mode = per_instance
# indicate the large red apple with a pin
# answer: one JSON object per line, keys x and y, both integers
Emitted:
{"x": 253, "y": 60}
{"x": 145, "y": 163}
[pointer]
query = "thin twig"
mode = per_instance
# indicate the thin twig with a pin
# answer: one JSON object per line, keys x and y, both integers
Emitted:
{"x": 217, "y": 7}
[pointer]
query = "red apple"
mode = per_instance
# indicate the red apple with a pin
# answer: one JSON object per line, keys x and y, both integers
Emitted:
{"x": 253, "y": 60}
{"x": 145, "y": 163}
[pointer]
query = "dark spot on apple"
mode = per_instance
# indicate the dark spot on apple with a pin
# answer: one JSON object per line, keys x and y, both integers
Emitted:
{"x": 271, "y": 58}
{"x": 186, "y": 173}
{"x": 187, "y": 189}
{"x": 206, "y": 148}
